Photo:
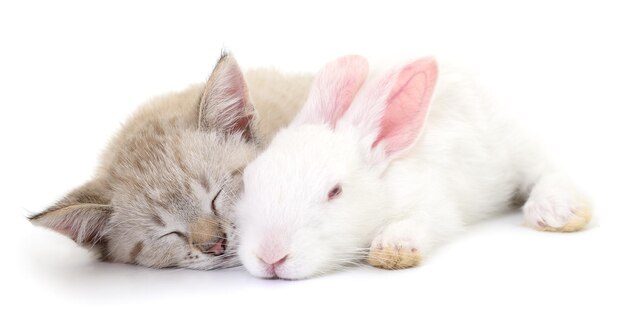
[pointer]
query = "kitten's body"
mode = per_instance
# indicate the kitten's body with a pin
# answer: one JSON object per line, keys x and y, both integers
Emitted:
{"x": 163, "y": 192}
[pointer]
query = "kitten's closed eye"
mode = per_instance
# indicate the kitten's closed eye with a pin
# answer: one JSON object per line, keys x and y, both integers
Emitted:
{"x": 177, "y": 233}
{"x": 213, "y": 207}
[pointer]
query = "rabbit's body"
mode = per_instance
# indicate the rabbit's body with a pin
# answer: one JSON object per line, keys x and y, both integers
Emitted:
{"x": 386, "y": 176}
{"x": 471, "y": 162}
{"x": 466, "y": 163}
{"x": 465, "y": 153}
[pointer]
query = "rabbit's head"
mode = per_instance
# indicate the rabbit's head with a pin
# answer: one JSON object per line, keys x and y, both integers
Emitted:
{"x": 315, "y": 198}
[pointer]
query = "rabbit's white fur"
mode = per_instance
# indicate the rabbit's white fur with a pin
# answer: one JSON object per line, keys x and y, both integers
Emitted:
{"x": 469, "y": 162}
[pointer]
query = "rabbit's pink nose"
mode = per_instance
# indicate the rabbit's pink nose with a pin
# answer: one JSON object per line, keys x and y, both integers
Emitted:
{"x": 273, "y": 262}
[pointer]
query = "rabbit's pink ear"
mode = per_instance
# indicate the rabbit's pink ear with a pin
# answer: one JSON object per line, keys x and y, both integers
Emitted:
{"x": 392, "y": 111}
{"x": 333, "y": 90}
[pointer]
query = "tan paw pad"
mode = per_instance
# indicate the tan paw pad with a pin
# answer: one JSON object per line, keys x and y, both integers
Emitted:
{"x": 577, "y": 221}
{"x": 393, "y": 257}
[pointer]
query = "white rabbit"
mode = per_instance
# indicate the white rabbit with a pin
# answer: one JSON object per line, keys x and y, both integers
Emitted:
{"x": 387, "y": 173}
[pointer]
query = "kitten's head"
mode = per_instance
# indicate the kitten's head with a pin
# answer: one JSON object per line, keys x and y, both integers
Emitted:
{"x": 165, "y": 192}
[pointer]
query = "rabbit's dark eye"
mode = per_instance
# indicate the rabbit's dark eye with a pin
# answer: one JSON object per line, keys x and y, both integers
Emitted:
{"x": 335, "y": 192}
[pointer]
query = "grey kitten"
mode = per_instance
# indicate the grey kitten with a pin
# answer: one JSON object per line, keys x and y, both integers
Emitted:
{"x": 164, "y": 192}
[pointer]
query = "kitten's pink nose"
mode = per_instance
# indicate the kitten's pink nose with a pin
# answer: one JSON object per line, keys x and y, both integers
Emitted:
{"x": 218, "y": 248}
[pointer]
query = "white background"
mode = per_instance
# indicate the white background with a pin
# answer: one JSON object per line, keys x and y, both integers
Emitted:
{"x": 70, "y": 73}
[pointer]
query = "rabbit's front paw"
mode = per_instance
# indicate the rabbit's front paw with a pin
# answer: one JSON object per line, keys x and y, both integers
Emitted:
{"x": 396, "y": 247}
{"x": 564, "y": 218}
{"x": 554, "y": 206}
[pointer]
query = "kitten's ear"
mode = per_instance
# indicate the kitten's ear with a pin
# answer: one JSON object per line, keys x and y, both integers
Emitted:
{"x": 225, "y": 104}
{"x": 82, "y": 215}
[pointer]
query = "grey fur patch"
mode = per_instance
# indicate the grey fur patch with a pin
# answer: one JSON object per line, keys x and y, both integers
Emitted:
{"x": 204, "y": 182}
{"x": 157, "y": 219}
{"x": 135, "y": 252}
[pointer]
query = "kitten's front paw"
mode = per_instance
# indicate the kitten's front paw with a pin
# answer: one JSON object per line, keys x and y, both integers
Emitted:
{"x": 396, "y": 247}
